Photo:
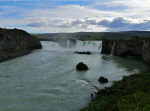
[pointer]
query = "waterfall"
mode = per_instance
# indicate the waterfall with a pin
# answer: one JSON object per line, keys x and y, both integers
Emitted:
{"x": 112, "y": 50}
{"x": 80, "y": 46}
{"x": 88, "y": 45}
{"x": 67, "y": 43}
{"x": 49, "y": 45}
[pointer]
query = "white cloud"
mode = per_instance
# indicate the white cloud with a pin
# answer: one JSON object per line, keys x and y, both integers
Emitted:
{"x": 130, "y": 8}
{"x": 2, "y": 13}
{"x": 51, "y": 24}
{"x": 69, "y": 11}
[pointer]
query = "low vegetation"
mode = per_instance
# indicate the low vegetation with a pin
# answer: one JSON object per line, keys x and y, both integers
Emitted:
{"x": 132, "y": 93}
{"x": 94, "y": 35}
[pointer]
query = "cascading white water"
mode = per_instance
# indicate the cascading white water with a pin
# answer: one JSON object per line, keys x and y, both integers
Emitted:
{"x": 49, "y": 45}
{"x": 112, "y": 50}
{"x": 80, "y": 46}
{"x": 67, "y": 43}
{"x": 88, "y": 45}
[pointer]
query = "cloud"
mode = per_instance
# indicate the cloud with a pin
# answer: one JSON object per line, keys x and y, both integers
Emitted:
{"x": 70, "y": 11}
{"x": 114, "y": 24}
{"x": 126, "y": 24}
{"x": 114, "y": 15}
{"x": 129, "y": 8}
{"x": 64, "y": 11}
{"x": 2, "y": 13}
{"x": 51, "y": 24}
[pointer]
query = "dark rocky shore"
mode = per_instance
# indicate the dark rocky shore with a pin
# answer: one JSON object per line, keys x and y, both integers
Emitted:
{"x": 15, "y": 43}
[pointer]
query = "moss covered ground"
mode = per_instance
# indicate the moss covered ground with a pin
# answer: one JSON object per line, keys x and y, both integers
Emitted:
{"x": 132, "y": 93}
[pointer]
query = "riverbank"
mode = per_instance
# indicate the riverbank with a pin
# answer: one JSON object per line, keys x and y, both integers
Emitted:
{"x": 15, "y": 43}
{"x": 132, "y": 93}
{"x": 5, "y": 56}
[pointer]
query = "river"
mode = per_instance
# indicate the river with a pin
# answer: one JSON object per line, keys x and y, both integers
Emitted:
{"x": 47, "y": 79}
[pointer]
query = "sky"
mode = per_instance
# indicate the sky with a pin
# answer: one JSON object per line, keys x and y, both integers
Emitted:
{"x": 55, "y": 16}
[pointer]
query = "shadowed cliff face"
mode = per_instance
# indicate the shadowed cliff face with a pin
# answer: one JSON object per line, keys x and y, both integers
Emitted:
{"x": 14, "y": 43}
{"x": 107, "y": 46}
{"x": 146, "y": 51}
{"x": 133, "y": 48}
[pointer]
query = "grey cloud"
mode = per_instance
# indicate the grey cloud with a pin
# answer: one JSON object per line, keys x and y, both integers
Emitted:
{"x": 92, "y": 21}
{"x": 117, "y": 24}
{"x": 37, "y": 24}
{"x": 121, "y": 24}
{"x": 76, "y": 22}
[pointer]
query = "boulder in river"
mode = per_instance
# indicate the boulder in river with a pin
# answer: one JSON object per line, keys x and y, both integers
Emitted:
{"x": 103, "y": 80}
{"x": 88, "y": 52}
{"x": 81, "y": 66}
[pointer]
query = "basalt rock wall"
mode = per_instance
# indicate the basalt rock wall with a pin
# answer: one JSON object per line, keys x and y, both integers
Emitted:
{"x": 107, "y": 46}
{"x": 134, "y": 48}
{"x": 146, "y": 51}
{"x": 14, "y": 43}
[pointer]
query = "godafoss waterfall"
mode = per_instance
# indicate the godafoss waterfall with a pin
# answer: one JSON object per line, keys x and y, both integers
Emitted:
{"x": 47, "y": 79}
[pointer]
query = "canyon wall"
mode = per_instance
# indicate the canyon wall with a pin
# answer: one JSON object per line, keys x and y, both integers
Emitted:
{"x": 134, "y": 48}
{"x": 15, "y": 42}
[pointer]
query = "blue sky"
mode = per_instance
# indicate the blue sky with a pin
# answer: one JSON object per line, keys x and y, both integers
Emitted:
{"x": 39, "y": 16}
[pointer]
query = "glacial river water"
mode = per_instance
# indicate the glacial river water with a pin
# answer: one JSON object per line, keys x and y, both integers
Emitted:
{"x": 47, "y": 79}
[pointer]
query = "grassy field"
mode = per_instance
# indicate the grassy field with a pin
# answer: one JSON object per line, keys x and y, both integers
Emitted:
{"x": 94, "y": 35}
{"x": 132, "y": 93}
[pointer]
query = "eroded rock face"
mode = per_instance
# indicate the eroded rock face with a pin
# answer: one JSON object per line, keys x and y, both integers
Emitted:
{"x": 134, "y": 48}
{"x": 81, "y": 66}
{"x": 125, "y": 48}
{"x": 107, "y": 46}
{"x": 146, "y": 51}
{"x": 14, "y": 43}
{"x": 103, "y": 80}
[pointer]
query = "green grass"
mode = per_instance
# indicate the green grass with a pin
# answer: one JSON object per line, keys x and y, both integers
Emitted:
{"x": 132, "y": 93}
{"x": 95, "y": 35}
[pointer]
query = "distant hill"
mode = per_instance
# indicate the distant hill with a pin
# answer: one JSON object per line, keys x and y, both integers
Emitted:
{"x": 95, "y": 35}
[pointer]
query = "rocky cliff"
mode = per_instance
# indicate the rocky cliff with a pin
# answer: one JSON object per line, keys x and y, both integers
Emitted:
{"x": 107, "y": 46}
{"x": 134, "y": 48}
{"x": 146, "y": 51}
{"x": 14, "y": 43}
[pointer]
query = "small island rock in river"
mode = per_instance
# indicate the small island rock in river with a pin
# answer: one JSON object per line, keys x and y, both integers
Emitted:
{"x": 81, "y": 66}
{"x": 83, "y": 52}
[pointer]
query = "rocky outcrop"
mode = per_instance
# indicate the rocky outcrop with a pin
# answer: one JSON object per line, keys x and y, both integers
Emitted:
{"x": 134, "y": 48}
{"x": 14, "y": 43}
{"x": 81, "y": 66}
{"x": 83, "y": 52}
{"x": 103, "y": 80}
{"x": 146, "y": 51}
{"x": 107, "y": 46}
{"x": 67, "y": 43}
